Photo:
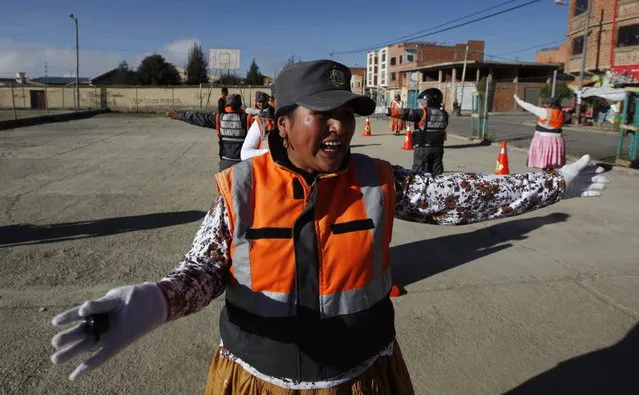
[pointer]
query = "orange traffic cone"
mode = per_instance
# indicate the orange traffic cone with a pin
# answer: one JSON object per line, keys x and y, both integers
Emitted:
{"x": 395, "y": 292}
{"x": 502, "y": 161}
{"x": 367, "y": 128}
{"x": 408, "y": 140}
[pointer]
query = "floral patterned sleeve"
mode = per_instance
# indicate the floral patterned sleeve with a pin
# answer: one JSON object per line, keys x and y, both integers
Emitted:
{"x": 201, "y": 276}
{"x": 464, "y": 198}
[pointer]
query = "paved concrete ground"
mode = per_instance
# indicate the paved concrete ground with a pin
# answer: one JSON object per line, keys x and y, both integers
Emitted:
{"x": 547, "y": 302}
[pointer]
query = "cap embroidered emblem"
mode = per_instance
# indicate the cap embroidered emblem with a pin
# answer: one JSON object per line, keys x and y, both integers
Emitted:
{"x": 337, "y": 78}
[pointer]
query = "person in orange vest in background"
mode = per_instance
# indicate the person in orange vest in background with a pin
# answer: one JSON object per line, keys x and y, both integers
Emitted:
{"x": 221, "y": 101}
{"x": 256, "y": 142}
{"x": 298, "y": 241}
{"x": 231, "y": 125}
{"x": 397, "y": 125}
{"x": 548, "y": 148}
{"x": 429, "y": 134}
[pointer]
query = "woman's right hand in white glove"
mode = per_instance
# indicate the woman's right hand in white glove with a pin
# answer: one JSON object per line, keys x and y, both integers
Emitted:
{"x": 132, "y": 312}
{"x": 583, "y": 180}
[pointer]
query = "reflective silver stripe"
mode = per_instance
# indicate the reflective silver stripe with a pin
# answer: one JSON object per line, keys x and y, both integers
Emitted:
{"x": 354, "y": 300}
{"x": 238, "y": 139}
{"x": 265, "y": 304}
{"x": 242, "y": 195}
{"x": 369, "y": 183}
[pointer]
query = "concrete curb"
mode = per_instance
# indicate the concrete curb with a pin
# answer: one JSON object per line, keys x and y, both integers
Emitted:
{"x": 20, "y": 123}
{"x": 613, "y": 166}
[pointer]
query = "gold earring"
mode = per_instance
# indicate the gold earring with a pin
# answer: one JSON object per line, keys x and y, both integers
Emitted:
{"x": 285, "y": 142}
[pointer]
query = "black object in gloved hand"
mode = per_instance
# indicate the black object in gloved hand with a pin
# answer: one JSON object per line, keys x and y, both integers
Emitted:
{"x": 96, "y": 324}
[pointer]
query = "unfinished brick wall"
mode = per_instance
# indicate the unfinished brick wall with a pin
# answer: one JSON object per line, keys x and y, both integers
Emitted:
{"x": 600, "y": 38}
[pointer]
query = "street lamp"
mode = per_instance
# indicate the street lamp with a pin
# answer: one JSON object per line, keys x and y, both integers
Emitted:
{"x": 584, "y": 52}
{"x": 77, "y": 64}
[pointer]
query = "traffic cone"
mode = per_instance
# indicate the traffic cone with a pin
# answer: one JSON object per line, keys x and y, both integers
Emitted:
{"x": 502, "y": 161}
{"x": 367, "y": 128}
{"x": 408, "y": 140}
{"x": 395, "y": 292}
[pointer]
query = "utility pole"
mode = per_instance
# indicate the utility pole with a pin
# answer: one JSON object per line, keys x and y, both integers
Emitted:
{"x": 461, "y": 100}
{"x": 582, "y": 70}
{"x": 554, "y": 82}
{"x": 77, "y": 64}
{"x": 331, "y": 54}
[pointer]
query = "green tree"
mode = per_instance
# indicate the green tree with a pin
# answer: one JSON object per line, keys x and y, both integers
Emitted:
{"x": 253, "y": 76}
{"x": 196, "y": 67}
{"x": 481, "y": 86}
{"x": 155, "y": 70}
{"x": 562, "y": 91}
{"x": 292, "y": 60}
{"x": 230, "y": 79}
{"x": 124, "y": 75}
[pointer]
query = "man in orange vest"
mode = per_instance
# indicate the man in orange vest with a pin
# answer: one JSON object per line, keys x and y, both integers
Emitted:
{"x": 221, "y": 101}
{"x": 232, "y": 126}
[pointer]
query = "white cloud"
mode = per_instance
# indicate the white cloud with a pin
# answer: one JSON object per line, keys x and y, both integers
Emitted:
{"x": 31, "y": 57}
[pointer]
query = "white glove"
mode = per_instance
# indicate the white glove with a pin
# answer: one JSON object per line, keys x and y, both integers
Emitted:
{"x": 381, "y": 110}
{"x": 583, "y": 180}
{"x": 133, "y": 311}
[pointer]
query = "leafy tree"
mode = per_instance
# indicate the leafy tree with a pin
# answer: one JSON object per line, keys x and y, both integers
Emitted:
{"x": 196, "y": 67}
{"x": 481, "y": 86}
{"x": 562, "y": 91}
{"x": 229, "y": 79}
{"x": 292, "y": 60}
{"x": 253, "y": 76}
{"x": 124, "y": 75}
{"x": 155, "y": 70}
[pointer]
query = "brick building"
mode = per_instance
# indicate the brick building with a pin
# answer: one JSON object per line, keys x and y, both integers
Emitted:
{"x": 557, "y": 55}
{"x": 385, "y": 66}
{"x": 358, "y": 80}
{"x": 613, "y": 42}
{"x": 509, "y": 78}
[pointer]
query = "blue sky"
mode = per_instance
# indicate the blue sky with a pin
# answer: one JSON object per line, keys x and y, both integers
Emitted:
{"x": 35, "y": 32}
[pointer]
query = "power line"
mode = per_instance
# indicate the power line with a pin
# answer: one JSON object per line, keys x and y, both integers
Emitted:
{"x": 394, "y": 40}
{"x": 448, "y": 28}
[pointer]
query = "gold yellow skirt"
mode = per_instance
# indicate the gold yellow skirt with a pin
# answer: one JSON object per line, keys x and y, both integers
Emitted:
{"x": 388, "y": 375}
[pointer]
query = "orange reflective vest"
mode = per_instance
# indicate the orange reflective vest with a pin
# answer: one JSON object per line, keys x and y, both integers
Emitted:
{"x": 553, "y": 122}
{"x": 307, "y": 296}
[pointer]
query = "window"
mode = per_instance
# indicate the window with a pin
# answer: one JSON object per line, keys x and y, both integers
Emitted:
{"x": 581, "y": 6}
{"x": 400, "y": 59}
{"x": 628, "y": 35}
{"x": 393, "y": 61}
{"x": 410, "y": 55}
{"x": 383, "y": 66}
{"x": 384, "y": 57}
{"x": 577, "y": 45}
{"x": 370, "y": 76}
{"x": 383, "y": 82}
{"x": 393, "y": 76}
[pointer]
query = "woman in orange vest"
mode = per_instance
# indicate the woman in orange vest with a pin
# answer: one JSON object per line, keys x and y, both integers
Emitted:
{"x": 547, "y": 149}
{"x": 299, "y": 242}
{"x": 397, "y": 125}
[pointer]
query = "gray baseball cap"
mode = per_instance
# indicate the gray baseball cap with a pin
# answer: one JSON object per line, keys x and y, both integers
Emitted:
{"x": 319, "y": 85}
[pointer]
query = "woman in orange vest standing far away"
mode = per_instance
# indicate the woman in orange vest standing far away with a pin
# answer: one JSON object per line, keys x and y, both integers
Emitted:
{"x": 299, "y": 242}
{"x": 547, "y": 149}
